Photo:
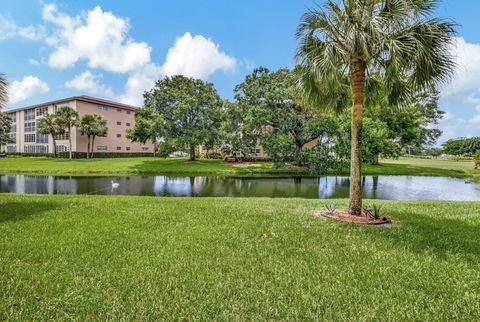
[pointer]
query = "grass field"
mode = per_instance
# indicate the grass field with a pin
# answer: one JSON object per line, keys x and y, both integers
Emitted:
{"x": 147, "y": 258}
{"x": 125, "y": 166}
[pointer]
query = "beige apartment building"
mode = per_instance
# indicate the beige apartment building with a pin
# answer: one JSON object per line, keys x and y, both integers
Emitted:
{"x": 120, "y": 118}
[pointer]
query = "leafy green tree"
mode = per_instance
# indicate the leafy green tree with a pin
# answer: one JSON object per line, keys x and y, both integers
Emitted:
{"x": 190, "y": 110}
{"x": 3, "y": 91}
{"x": 345, "y": 43}
{"x": 5, "y": 126}
{"x": 273, "y": 113}
{"x": 48, "y": 125}
{"x": 67, "y": 118}
{"x": 148, "y": 127}
{"x": 92, "y": 126}
{"x": 462, "y": 146}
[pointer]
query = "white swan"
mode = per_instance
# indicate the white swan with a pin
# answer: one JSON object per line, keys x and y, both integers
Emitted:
{"x": 115, "y": 184}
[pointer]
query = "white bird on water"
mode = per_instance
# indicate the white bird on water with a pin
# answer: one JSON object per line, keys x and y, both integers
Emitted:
{"x": 115, "y": 184}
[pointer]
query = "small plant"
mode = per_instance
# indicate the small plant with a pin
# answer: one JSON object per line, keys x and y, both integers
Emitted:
{"x": 376, "y": 212}
{"x": 330, "y": 208}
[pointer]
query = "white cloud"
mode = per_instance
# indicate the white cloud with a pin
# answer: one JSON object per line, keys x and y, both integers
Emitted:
{"x": 89, "y": 82}
{"x": 27, "y": 87}
{"x": 197, "y": 57}
{"x": 33, "y": 62}
{"x": 96, "y": 36}
{"x": 9, "y": 29}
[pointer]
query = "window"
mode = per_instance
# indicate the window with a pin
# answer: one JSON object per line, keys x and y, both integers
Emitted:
{"x": 119, "y": 135}
{"x": 42, "y": 110}
{"x": 13, "y": 128}
{"x": 29, "y": 126}
{"x": 29, "y": 115}
{"x": 64, "y": 136}
{"x": 127, "y": 124}
{"x": 29, "y": 138}
{"x": 11, "y": 148}
{"x": 119, "y": 123}
{"x": 257, "y": 151}
{"x": 102, "y": 108}
{"x": 102, "y": 148}
{"x": 29, "y": 120}
{"x": 144, "y": 148}
{"x": 12, "y": 135}
{"x": 119, "y": 110}
{"x": 35, "y": 149}
{"x": 62, "y": 148}
{"x": 119, "y": 148}
{"x": 13, "y": 116}
{"x": 128, "y": 112}
{"x": 42, "y": 138}
{"x": 127, "y": 148}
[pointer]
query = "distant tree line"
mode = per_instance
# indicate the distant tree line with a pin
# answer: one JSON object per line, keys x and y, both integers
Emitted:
{"x": 462, "y": 146}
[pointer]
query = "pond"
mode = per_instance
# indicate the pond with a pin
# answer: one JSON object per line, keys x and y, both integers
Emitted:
{"x": 374, "y": 187}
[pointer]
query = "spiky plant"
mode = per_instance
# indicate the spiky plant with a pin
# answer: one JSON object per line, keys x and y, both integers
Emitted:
{"x": 3, "y": 91}
{"x": 348, "y": 45}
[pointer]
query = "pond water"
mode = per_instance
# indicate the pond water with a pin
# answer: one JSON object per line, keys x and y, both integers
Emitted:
{"x": 374, "y": 187}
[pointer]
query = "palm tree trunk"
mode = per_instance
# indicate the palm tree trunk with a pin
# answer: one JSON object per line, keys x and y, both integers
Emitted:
{"x": 88, "y": 146}
{"x": 93, "y": 141}
{"x": 358, "y": 93}
{"x": 69, "y": 142}
{"x": 54, "y": 146}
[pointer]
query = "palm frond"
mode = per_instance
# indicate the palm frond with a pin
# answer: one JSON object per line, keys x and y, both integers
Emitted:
{"x": 3, "y": 91}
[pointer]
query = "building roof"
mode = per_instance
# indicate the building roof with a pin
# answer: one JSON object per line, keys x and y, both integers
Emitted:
{"x": 83, "y": 98}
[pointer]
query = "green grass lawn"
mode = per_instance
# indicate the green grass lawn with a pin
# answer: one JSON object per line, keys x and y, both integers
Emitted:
{"x": 125, "y": 166}
{"x": 147, "y": 258}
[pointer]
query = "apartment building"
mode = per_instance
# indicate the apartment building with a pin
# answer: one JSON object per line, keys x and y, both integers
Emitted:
{"x": 120, "y": 118}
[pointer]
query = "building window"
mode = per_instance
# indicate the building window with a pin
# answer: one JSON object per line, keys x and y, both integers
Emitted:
{"x": 29, "y": 126}
{"x": 13, "y": 128}
{"x": 12, "y": 135}
{"x": 119, "y": 123}
{"x": 102, "y": 148}
{"x": 64, "y": 136}
{"x": 102, "y": 108}
{"x": 127, "y": 148}
{"x": 42, "y": 138}
{"x": 257, "y": 151}
{"x": 62, "y": 148}
{"x": 119, "y": 148}
{"x": 119, "y": 110}
{"x": 11, "y": 148}
{"x": 29, "y": 138}
{"x": 42, "y": 110}
{"x": 119, "y": 135}
{"x": 128, "y": 112}
{"x": 29, "y": 115}
{"x": 128, "y": 124}
{"x": 35, "y": 148}
{"x": 144, "y": 148}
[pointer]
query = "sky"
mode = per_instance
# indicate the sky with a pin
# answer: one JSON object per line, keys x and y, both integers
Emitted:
{"x": 117, "y": 49}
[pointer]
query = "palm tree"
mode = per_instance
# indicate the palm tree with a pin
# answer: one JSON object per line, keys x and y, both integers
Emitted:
{"x": 3, "y": 91}
{"x": 91, "y": 126}
{"x": 345, "y": 45}
{"x": 100, "y": 129}
{"x": 67, "y": 118}
{"x": 48, "y": 125}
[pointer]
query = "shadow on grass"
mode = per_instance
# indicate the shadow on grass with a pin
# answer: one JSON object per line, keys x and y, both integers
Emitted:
{"x": 433, "y": 236}
{"x": 16, "y": 211}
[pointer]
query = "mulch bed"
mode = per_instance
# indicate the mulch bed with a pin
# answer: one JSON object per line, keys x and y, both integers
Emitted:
{"x": 363, "y": 219}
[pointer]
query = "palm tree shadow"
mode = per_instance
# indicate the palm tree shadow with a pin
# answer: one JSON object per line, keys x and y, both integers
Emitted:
{"x": 16, "y": 211}
{"x": 439, "y": 237}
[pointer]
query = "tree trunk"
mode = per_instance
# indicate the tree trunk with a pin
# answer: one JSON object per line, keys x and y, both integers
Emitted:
{"x": 358, "y": 93}
{"x": 54, "y": 146}
{"x": 192, "y": 152}
{"x": 93, "y": 145}
{"x": 70, "y": 143}
{"x": 154, "y": 147}
{"x": 88, "y": 146}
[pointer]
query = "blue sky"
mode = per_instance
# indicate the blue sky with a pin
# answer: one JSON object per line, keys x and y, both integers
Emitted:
{"x": 116, "y": 49}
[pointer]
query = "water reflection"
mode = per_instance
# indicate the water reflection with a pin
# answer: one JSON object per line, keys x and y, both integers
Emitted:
{"x": 374, "y": 187}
